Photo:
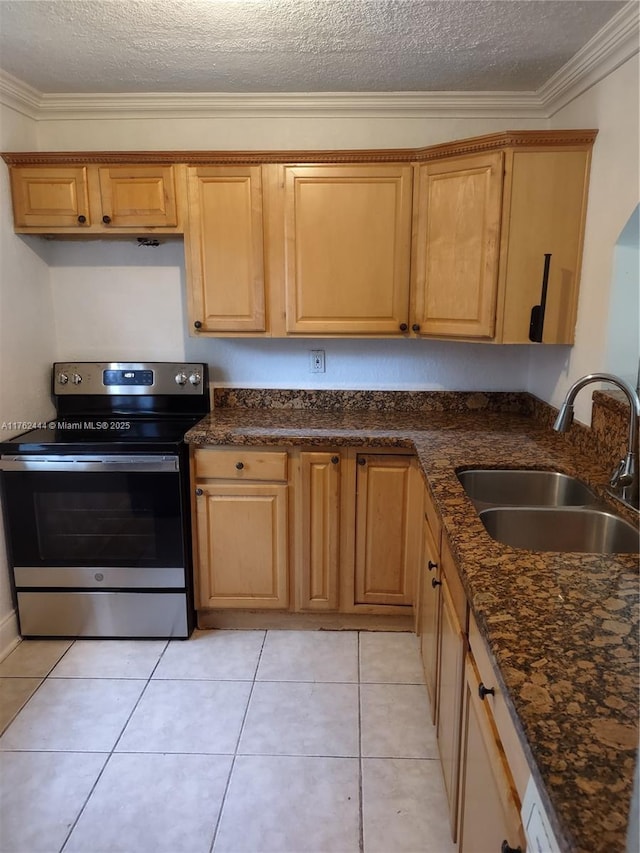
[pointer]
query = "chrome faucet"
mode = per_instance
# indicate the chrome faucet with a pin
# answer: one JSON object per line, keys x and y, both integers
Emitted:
{"x": 624, "y": 479}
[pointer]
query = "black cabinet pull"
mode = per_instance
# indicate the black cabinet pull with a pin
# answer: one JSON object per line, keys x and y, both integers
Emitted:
{"x": 106, "y": 219}
{"x": 403, "y": 327}
{"x": 415, "y": 327}
{"x": 239, "y": 465}
{"x": 199, "y": 492}
{"x": 197, "y": 324}
{"x": 435, "y": 583}
{"x": 362, "y": 460}
{"x": 485, "y": 691}
{"x": 431, "y": 565}
{"x": 506, "y": 849}
{"x": 335, "y": 460}
{"x": 536, "y": 323}
{"x": 82, "y": 219}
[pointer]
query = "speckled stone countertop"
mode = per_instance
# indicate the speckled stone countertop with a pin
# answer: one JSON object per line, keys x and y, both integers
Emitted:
{"x": 562, "y": 628}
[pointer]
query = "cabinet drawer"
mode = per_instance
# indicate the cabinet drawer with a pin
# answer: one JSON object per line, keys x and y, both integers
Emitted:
{"x": 241, "y": 464}
{"x": 498, "y": 707}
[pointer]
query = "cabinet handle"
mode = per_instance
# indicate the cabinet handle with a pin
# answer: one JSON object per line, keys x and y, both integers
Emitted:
{"x": 506, "y": 849}
{"x": 403, "y": 327}
{"x": 435, "y": 583}
{"x": 239, "y": 465}
{"x": 431, "y": 565}
{"x": 362, "y": 460}
{"x": 486, "y": 691}
{"x": 197, "y": 324}
{"x": 335, "y": 460}
{"x": 106, "y": 219}
{"x": 82, "y": 219}
{"x": 415, "y": 327}
{"x": 199, "y": 492}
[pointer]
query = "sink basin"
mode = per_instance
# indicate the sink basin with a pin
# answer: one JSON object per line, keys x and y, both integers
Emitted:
{"x": 584, "y": 530}
{"x": 525, "y": 488}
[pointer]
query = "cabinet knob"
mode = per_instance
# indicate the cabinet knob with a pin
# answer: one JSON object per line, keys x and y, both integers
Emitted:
{"x": 106, "y": 219}
{"x": 362, "y": 460}
{"x": 239, "y": 465}
{"x": 199, "y": 492}
{"x": 506, "y": 849}
{"x": 415, "y": 327}
{"x": 335, "y": 460}
{"x": 435, "y": 583}
{"x": 486, "y": 691}
{"x": 403, "y": 327}
{"x": 431, "y": 565}
{"x": 197, "y": 324}
{"x": 82, "y": 219}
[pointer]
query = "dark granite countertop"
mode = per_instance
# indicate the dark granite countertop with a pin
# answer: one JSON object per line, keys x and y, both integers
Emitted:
{"x": 562, "y": 628}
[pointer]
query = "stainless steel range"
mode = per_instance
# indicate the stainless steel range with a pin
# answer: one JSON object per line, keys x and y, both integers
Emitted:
{"x": 97, "y": 504}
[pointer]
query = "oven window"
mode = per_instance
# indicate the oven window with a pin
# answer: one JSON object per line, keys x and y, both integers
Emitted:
{"x": 108, "y": 526}
{"x": 94, "y": 519}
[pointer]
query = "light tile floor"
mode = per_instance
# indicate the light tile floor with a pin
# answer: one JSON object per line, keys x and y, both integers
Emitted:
{"x": 230, "y": 742}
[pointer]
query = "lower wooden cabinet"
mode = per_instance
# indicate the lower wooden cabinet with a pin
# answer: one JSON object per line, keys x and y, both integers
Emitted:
{"x": 387, "y": 542}
{"x": 318, "y": 530}
{"x": 489, "y": 803}
{"x": 318, "y": 516}
{"x": 430, "y": 582}
{"x": 241, "y": 528}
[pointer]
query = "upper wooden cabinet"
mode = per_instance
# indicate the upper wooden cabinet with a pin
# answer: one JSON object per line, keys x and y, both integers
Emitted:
{"x": 224, "y": 247}
{"x": 484, "y": 224}
{"x": 456, "y": 246}
{"x": 347, "y": 245}
{"x": 448, "y": 241}
{"x": 95, "y": 199}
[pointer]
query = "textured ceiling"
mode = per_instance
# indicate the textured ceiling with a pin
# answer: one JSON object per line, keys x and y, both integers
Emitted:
{"x": 293, "y": 45}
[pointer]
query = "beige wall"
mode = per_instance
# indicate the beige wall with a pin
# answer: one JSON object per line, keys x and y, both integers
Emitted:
{"x": 27, "y": 337}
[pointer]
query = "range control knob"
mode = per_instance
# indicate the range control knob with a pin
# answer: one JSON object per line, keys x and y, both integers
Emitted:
{"x": 195, "y": 379}
{"x": 63, "y": 378}
{"x": 181, "y": 378}
{"x": 76, "y": 379}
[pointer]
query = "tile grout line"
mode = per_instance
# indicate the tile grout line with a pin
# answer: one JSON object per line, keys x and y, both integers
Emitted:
{"x": 109, "y": 755}
{"x": 42, "y": 678}
{"x": 235, "y": 752}
{"x": 360, "y": 795}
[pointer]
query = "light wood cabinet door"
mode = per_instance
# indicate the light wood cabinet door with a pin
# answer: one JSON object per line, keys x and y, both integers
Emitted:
{"x": 428, "y": 615}
{"x": 545, "y": 210}
{"x": 50, "y": 196}
{"x": 489, "y": 803}
{"x": 318, "y": 531}
{"x": 450, "y": 675}
{"x": 135, "y": 196}
{"x": 347, "y": 247}
{"x": 456, "y": 246}
{"x": 224, "y": 249}
{"x": 388, "y": 529}
{"x": 242, "y": 545}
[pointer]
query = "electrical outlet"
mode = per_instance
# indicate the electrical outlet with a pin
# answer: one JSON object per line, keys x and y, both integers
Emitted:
{"x": 316, "y": 360}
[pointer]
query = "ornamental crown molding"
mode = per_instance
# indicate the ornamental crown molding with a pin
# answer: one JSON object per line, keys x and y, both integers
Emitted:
{"x": 613, "y": 45}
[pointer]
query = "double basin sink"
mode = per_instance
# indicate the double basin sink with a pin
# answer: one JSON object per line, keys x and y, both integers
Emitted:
{"x": 546, "y": 511}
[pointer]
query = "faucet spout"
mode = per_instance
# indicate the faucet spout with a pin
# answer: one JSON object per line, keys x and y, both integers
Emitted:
{"x": 624, "y": 479}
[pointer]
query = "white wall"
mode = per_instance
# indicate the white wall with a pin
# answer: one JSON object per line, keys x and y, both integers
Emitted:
{"x": 27, "y": 340}
{"x": 612, "y": 107}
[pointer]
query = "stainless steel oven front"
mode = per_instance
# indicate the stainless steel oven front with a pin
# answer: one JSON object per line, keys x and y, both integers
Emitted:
{"x": 98, "y": 543}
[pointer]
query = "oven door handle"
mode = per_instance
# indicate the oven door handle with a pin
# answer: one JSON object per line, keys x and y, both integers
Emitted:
{"x": 98, "y": 464}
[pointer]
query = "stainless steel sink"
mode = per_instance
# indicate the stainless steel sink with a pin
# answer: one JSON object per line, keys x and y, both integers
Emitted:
{"x": 577, "y": 529}
{"x": 510, "y": 487}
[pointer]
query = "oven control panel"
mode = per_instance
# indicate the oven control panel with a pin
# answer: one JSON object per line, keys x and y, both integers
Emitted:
{"x": 104, "y": 378}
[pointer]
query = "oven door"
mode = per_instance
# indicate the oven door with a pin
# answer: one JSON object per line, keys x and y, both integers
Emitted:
{"x": 94, "y": 522}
